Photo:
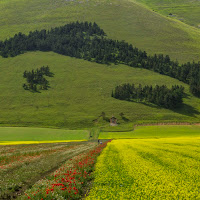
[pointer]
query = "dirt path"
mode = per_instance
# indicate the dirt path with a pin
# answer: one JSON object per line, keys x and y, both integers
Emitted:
{"x": 169, "y": 124}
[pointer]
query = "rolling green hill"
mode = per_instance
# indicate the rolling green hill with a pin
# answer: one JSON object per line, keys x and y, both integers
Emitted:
{"x": 121, "y": 19}
{"x": 80, "y": 90}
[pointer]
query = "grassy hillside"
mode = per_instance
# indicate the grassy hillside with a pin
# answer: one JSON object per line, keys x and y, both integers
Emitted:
{"x": 80, "y": 90}
{"x": 121, "y": 19}
{"x": 187, "y": 11}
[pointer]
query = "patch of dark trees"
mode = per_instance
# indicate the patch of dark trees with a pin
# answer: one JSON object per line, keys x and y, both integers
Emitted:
{"x": 35, "y": 79}
{"x": 159, "y": 95}
{"x": 88, "y": 41}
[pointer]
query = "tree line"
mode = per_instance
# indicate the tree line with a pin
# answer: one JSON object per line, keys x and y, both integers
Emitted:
{"x": 88, "y": 41}
{"x": 159, "y": 95}
{"x": 35, "y": 79}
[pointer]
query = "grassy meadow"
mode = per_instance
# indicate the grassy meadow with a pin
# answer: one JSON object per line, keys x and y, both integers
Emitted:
{"x": 15, "y": 135}
{"x": 165, "y": 131}
{"x": 80, "y": 90}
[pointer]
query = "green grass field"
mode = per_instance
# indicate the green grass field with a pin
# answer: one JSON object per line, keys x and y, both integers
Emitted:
{"x": 155, "y": 132}
{"x": 80, "y": 90}
{"x": 187, "y": 11}
{"x": 40, "y": 134}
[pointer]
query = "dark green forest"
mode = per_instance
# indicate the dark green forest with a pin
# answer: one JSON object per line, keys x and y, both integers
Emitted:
{"x": 159, "y": 95}
{"x": 35, "y": 79}
{"x": 88, "y": 41}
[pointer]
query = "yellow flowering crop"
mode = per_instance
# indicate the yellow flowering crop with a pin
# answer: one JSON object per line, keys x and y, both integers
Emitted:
{"x": 148, "y": 169}
{"x": 36, "y": 142}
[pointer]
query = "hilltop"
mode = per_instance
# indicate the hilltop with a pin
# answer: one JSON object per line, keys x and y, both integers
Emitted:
{"x": 121, "y": 19}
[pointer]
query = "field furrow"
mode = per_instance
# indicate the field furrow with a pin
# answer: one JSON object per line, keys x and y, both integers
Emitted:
{"x": 148, "y": 169}
{"x": 17, "y": 173}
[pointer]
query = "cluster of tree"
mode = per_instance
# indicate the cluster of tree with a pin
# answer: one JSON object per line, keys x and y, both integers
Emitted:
{"x": 36, "y": 80}
{"x": 88, "y": 41}
{"x": 159, "y": 95}
{"x": 188, "y": 73}
{"x": 71, "y": 40}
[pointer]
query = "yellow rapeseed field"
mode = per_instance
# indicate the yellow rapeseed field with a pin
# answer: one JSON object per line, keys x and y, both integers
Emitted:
{"x": 36, "y": 142}
{"x": 148, "y": 169}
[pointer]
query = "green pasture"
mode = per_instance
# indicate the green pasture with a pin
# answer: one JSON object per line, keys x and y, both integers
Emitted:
{"x": 40, "y": 134}
{"x": 166, "y": 131}
{"x": 187, "y": 11}
{"x": 79, "y": 92}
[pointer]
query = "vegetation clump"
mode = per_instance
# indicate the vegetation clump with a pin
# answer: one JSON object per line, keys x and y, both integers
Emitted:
{"x": 159, "y": 95}
{"x": 35, "y": 78}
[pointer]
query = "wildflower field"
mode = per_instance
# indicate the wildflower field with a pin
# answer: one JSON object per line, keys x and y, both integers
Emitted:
{"x": 69, "y": 180}
{"x": 65, "y": 166}
{"x": 165, "y": 168}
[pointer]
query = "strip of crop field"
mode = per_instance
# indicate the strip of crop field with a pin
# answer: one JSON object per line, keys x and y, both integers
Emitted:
{"x": 37, "y": 142}
{"x": 23, "y": 165}
{"x": 69, "y": 180}
{"x": 165, "y": 131}
{"x": 24, "y": 135}
{"x": 148, "y": 169}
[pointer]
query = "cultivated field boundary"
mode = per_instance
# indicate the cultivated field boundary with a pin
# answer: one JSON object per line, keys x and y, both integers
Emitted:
{"x": 168, "y": 124}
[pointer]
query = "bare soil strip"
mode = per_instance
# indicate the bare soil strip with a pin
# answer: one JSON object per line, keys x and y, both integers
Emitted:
{"x": 169, "y": 124}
